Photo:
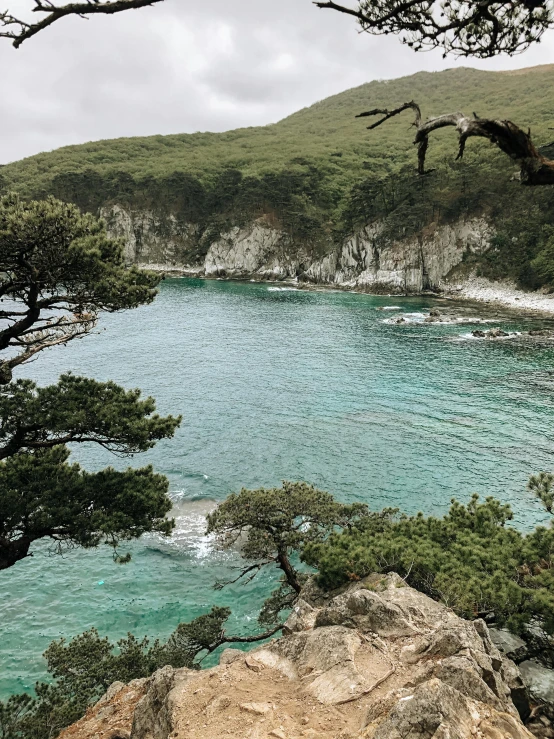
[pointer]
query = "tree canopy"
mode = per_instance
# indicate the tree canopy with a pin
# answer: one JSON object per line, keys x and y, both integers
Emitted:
{"x": 58, "y": 271}
{"x": 272, "y": 525}
{"x": 471, "y": 559}
{"x": 478, "y": 28}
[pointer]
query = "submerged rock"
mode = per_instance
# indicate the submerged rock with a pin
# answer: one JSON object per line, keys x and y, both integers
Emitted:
{"x": 495, "y": 333}
{"x": 434, "y": 316}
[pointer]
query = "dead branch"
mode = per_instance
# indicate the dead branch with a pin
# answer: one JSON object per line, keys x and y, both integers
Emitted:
{"x": 19, "y": 30}
{"x": 462, "y": 27}
{"x": 535, "y": 169}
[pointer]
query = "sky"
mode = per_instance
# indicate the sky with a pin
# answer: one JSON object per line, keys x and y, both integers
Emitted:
{"x": 193, "y": 65}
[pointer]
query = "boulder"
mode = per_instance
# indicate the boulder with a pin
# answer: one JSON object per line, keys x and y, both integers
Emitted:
{"x": 375, "y": 648}
{"x": 540, "y": 682}
{"x": 435, "y": 710}
{"x": 496, "y": 333}
{"x": 301, "y": 618}
{"x": 228, "y": 656}
{"x": 509, "y": 644}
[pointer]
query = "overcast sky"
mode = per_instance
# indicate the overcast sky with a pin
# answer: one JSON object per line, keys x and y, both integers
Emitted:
{"x": 185, "y": 66}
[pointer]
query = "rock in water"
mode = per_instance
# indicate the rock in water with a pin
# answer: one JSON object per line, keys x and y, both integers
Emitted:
{"x": 496, "y": 333}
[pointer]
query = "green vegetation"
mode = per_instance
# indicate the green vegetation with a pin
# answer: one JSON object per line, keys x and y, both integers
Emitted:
{"x": 83, "y": 669}
{"x": 319, "y": 174}
{"x": 58, "y": 272}
{"x": 272, "y": 525}
{"x": 470, "y": 559}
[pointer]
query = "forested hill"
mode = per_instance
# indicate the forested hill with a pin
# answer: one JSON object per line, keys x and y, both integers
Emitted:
{"x": 320, "y": 173}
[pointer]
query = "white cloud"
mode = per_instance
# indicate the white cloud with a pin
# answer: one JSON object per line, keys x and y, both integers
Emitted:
{"x": 183, "y": 67}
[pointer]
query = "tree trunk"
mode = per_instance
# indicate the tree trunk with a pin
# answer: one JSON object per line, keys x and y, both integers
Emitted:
{"x": 12, "y": 552}
{"x": 534, "y": 168}
{"x": 288, "y": 569}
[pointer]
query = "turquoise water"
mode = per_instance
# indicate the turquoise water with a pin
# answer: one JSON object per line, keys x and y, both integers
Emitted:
{"x": 281, "y": 384}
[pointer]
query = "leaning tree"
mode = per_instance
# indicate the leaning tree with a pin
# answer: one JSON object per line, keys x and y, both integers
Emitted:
{"x": 58, "y": 271}
{"x": 476, "y": 28}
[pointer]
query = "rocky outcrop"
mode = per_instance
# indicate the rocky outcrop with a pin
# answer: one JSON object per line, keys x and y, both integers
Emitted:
{"x": 366, "y": 261}
{"x": 375, "y": 660}
{"x": 160, "y": 241}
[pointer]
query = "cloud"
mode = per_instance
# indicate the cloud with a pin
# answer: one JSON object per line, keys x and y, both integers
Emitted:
{"x": 182, "y": 67}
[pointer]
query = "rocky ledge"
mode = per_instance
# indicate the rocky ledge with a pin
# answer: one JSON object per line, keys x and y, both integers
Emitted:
{"x": 376, "y": 660}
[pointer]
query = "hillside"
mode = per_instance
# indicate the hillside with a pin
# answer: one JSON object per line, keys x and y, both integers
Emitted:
{"x": 318, "y": 175}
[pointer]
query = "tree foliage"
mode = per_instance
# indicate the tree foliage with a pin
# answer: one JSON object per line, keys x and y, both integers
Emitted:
{"x": 79, "y": 409}
{"x": 45, "y": 497}
{"x": 271, "y": 525}
{"x": 470, "y": 559}
{"x": 58, "y": 271}
{"x": 480, "y": 29}
{"x": 82, "y": 669}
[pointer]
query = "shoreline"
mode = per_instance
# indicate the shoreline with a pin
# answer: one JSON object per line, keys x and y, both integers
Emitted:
{"x": 502, "y": 294}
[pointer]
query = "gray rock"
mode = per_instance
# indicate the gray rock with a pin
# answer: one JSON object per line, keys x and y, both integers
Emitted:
{"x": 325, "y": 661}
{"x": 435, "y": 710}
{"x": 228, "y": 656}
{"x": 302, "y": 618}
{"x": 509, "y": 644}
{"x": 540, "y": 682}
{"x": 153, "y": 717}
{"x": 495, "y": 333}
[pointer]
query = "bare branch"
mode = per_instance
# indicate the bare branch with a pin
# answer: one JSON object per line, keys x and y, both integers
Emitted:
{"x": 19, "y": 30}
{"x": 535, "y": 169}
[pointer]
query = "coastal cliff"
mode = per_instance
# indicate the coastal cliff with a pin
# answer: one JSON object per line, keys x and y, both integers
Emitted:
{"x": 374, "y": 660}
{"x": 365, "y": 261}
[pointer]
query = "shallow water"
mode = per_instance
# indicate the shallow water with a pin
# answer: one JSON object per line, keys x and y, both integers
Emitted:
{"x": 283, "y": 384}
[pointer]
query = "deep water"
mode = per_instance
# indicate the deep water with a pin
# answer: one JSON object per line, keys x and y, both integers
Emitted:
{"x": 280, "y": 384}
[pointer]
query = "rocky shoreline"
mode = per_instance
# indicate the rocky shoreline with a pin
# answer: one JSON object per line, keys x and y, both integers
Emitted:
{"x": 503, "y": 294}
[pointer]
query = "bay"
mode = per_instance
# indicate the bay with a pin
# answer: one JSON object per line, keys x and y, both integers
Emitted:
{"x": 275, "y": 383}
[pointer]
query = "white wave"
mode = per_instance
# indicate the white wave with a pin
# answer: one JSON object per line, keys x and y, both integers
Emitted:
{"x": 282, "y": 289}
{"x": 390, "y": 307}
{"x": 190, "y": 527}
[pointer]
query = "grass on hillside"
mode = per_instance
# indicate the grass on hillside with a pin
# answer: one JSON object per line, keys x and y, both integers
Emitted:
{"x": 320, "y": 173}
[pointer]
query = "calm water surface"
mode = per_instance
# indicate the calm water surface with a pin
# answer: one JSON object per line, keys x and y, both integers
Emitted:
{"x": 280, "y": 384}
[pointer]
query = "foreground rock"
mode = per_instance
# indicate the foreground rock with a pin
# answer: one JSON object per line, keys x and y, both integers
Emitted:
{"x": 378, "y": 660}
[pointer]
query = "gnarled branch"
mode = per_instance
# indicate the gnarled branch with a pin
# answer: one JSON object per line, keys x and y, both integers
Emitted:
{"x": 535, "y": 169}
{"x": 481, "y": 28}
{"x": 19, "y": 30}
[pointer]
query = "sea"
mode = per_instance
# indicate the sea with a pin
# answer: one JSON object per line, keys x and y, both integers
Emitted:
{"x": 280, "y": 383}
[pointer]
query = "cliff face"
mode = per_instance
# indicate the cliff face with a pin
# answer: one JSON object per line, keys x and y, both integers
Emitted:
{"x": 366, "y": 261}
{"x": 375, "y": 660}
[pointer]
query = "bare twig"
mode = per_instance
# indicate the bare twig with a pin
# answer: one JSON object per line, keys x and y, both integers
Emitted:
{"x": 19, "y": 30}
